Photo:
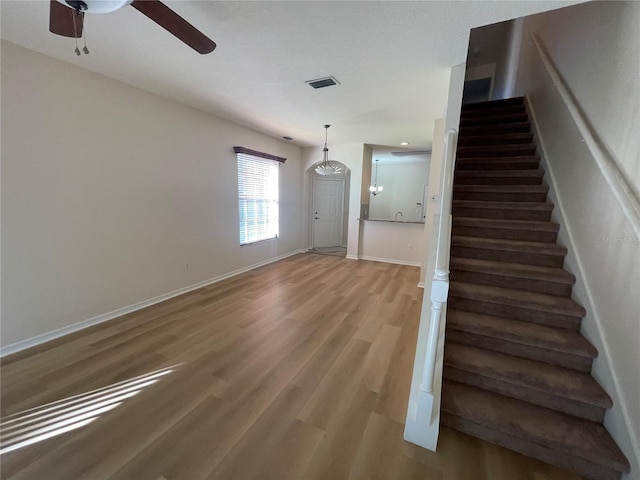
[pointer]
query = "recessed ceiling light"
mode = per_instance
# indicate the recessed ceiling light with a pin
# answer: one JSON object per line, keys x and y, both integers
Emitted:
{"x": 404, "y": 144}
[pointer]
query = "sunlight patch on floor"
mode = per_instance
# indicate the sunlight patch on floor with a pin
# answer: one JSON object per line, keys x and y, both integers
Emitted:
{"x": 53, "y": 419}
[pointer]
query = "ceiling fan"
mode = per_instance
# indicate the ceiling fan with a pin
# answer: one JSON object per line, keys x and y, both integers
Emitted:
{"x": 408, "y": 153}
{"x": 66, "y": 18}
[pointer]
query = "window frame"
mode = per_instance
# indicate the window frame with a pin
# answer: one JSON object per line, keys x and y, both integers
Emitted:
{"x": 258, "y": 196}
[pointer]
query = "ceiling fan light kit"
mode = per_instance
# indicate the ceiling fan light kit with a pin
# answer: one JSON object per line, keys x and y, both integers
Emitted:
{"x": 326, "y": 167}
{"x": 66, "y": 18}
{"x": 96, "y": 6}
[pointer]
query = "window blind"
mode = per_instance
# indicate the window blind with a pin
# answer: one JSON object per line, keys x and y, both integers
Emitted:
{"x": 257, "y": 198}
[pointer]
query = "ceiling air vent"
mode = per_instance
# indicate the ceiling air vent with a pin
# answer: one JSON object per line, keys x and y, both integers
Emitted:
{"x": 323, "y": 82}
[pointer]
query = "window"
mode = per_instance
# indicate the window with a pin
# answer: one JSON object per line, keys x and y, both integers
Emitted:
{"x": 257, "y": 195}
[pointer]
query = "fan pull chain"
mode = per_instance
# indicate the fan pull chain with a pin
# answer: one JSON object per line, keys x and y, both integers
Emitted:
{"x": 84, "y": 36}
{"x": 75, "y": 33}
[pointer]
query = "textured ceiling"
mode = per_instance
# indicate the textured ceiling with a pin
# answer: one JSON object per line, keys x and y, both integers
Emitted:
{"x": 391, "y": 58}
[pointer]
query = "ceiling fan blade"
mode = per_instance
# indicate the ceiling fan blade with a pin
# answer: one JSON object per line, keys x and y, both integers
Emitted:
{"x": 175, "y": 24}
{"x": 407, "y": 153}
{"x": 61, "y": 20}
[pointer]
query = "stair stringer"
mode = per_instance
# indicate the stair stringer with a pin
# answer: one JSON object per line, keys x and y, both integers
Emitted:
{"x": 618, "y": 417}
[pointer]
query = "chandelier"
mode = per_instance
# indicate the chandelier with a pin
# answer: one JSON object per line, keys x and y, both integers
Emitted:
{"x": 375, "y": 189}
{"x": 326, "y": 167}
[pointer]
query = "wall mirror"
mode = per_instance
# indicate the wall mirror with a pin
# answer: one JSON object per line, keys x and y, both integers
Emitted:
{"x": 398, "y": 188}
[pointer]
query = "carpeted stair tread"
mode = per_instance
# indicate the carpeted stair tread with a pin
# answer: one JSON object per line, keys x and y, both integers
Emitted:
{"x": 563, "y": 435}
{"x": 514, "y": 270}
{"x": 522, "y": 246}
{"x": 501, "y": 193}
{"x": 539, "y": 189}
{"x": 511, "y": 273}
{"x": 537, "y": 173}
{"x": 528, "y": 230}
{"x": 538, "y": 206}
{"x": 493, "y": 111}
{"x": 537, "y": 211}
{"x": 493, "y": 118}
{"x": 523, "y": 333}
{"x": 513, "y": 127}
{"x": 497, "y": 164}
{"x": 496, "y": 139}
{"x": 492, "y": 104}
{"x": 506, "y": 224}
{"x": 529, "y": 374}
{"x": 517, "y": 298}
{"x": 474, "y": 151}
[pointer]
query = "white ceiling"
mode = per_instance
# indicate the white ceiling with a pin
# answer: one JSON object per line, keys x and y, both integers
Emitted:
{"x": 391, "y": 58}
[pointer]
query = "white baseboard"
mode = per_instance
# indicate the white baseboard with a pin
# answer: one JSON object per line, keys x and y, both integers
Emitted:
{"x": 352, "y": 257}
{"x": 60, "y": 332}
{"x": 391, "y": 260}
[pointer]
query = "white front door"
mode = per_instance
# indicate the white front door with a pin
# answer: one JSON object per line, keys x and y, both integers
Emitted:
{"x": 328, "y": 201}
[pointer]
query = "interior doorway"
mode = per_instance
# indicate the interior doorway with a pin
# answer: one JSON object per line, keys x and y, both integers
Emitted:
{"x": 328, "y": 211}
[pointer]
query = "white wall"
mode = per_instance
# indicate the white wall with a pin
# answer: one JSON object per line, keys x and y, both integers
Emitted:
{"x": 594, "y": 46}
{"x": 402, "y": 243}
{"x": 432, "y": 206}
{"x": 402, "y": 184}
{"x": 109, "y": 192}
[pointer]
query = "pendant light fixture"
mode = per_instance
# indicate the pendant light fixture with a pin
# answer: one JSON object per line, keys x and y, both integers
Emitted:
{"x": 326, "y": 167}
{"x": 376, "y": 189}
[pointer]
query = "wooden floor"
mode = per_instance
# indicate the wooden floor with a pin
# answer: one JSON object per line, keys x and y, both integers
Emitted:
{"x": 297, "y": 370}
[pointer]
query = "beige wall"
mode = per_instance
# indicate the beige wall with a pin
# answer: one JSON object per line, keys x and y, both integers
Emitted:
{"x": 109, "y": 192}
{"x": 594, "y": 46}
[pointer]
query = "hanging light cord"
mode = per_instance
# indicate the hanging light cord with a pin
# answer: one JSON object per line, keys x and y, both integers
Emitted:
{"x": 84, "y": 33}
{"x": 75, "y": 32}
{"x": 326, "y": 167}
{"x": 325, "y": 160}
{"x": 84, "y": 37}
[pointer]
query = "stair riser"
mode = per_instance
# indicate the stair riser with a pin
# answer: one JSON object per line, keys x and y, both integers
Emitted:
{"x": 492, "y": 104}
{"x": 566, "y": 360}
{"x": 505, "y": 234}
{"x": 492, "y": 112}
{"x": 540, "y": 286}
{"x": 517, "y": 313}
{"x": 523, "y": 127}
{"x": 497, "y": 151}
{"x": 477, "y": 165}
{"x": 467, "y": 179}
{"x": 527, "y": 258}
{"x": 503, "y": 139}
{"x": 502, "y": 214}
{"x": 590, "y": 470}
{"x": 493, "y": 120}
{"x": 460, "y": 194}
{"x": 536, "y": 397}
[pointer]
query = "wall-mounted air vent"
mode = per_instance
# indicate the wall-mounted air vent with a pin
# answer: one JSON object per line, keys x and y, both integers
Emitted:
{"x": 323, "y": 82}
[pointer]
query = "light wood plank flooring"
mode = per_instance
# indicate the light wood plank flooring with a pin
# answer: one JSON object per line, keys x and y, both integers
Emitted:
{"x": 297, "y": 370}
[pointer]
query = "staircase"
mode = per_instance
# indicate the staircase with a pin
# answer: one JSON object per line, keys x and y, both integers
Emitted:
{"x": 516, "y": 368}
